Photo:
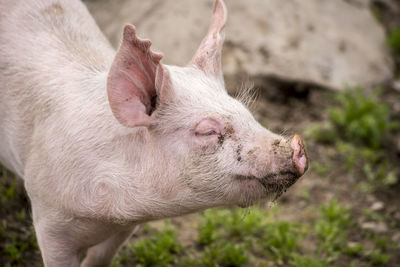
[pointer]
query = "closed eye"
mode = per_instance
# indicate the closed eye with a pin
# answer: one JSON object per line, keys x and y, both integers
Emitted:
{"x": 208, "y": 133}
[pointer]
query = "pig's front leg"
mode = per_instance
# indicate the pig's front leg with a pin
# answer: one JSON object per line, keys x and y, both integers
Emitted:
{"x": 63, "y": 238}
{"x": 103, "y": 253}
{"x": 57, "y": 248}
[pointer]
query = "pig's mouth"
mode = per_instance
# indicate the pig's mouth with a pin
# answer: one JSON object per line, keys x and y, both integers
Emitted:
{"x": 275, "y": 184}
{"x": 278, "y": 183}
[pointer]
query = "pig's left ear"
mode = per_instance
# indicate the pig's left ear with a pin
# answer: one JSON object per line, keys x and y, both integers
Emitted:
{"x": 208, "y": 55}
{"x": 135, "y": 79}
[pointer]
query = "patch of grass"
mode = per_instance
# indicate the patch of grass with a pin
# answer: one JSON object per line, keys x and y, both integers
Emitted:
{"x": 380, "y": 242}
{"x": 255, "y": 237}
{"x": 227, "y": 254}
{"x": 159, "y": 250}
{"x": 271, "y": 243}
{"x": 358, "y": 128}
{"x": 281, "y": 239}
{"x": 380, "y": 175}
{"x": 234, "y": 255}
{"x": 361, "y": 118}
{"x": 354, "y": 249}
{"x": 332, "y": 229}
{"x": 322, "y": 133}
{"x": 321, "y": 169}
{"x": 243, "y": 229}
{"x": 124, "y": 256}
{"x": 15, "y": 250}
{"x": 3, "y": 228}
{"x": 376, "y": 257}
{"x": 393, "y": 40}
{"x": 238, "y": 224}
{"x": 377, "y": 12}
{"x": 372, "y": 164}
{"x": 8, "y": 191}
{"x": 211, "y": 221}
{"x": 373, "y": 215}
{"x": 246, "y": 223}
{"x": 306, "y": 261}
{"x": 335, "y": 213}
{"x": 207, "y": 233}
{"x": 357, "y": 156}
{"x": 305, "y": 194}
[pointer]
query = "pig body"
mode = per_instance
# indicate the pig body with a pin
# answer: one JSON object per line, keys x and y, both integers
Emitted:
{"x": 106, "y": 141}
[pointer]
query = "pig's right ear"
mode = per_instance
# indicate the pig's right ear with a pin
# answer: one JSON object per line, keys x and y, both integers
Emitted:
{"x": 132, "y": 80}
{"x": 208, "y": 55}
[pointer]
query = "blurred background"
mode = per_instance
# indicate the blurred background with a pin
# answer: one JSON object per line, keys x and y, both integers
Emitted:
{"x": 327, "y": 69}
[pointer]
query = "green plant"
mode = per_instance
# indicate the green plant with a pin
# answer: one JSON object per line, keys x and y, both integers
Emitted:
{"x": 246, "y": 223}
{"x": 8, "y": 191}
{"x": 322, "y": 133}
{"x": 354, "y": 249}
{"x": 358, "y": 127}
{"x": 239, "y": 224}
{"x": 210, "y": 256}
{"x": 332, "y": 228}
{"x": 123, "y": 256}
{"x": 373, "y": 215}
{"x": 335, "y": 213}
{"x": 281, "y": 239}
{"x": 160, "y": 250}
{"x": 306, "y": 261}
{"x": 321, "y": 168}
{"x": 233, "y": 255}
{"x": 393, "y": 40}
{"x": 361, "y": 118}
{"x": 206, "y": 232}
{"x": 21, "y": 215}
{"x": 376, "y": 257}
{"x": 225, "y": 254}
{"x": 331, "y": 238}
{"x": 190, "y": 261}
{"x": 377, "y": 12}
{"x": 380, "y": 242}
{"x": 380, "y": 175}
{"x": 357, "y": 156}
{"x": 15, "y": 250}
{"x": 3, "y": 228}
{"x": 211, "y": 220}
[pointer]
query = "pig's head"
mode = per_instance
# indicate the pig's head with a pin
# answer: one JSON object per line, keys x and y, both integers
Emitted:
{"x": 220, "y": 154}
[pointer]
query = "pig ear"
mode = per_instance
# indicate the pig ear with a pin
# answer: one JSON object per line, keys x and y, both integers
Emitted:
{"x": 131, "y": 83}
{"x": 208, "y": 55}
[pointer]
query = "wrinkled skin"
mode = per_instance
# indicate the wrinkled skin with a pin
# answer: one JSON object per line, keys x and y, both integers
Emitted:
{"x": 106, "y": 140}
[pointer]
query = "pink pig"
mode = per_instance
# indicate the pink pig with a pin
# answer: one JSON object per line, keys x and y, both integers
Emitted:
{"x": 105, "y": 141}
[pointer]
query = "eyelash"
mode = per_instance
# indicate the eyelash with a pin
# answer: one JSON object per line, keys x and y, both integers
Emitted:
{"x": 209, "y": 133}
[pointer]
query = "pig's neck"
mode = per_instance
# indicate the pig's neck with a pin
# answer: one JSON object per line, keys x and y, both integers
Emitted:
{"x": 144, "y": 184}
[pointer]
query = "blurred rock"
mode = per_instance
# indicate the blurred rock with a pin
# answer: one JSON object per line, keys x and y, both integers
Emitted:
{"x": 376, "y": 206}
{"x": 396, "y": 238}
{"x": 396, "y": 85}
{"x": 320, "y": 42}
{"x": 376, "y": 227}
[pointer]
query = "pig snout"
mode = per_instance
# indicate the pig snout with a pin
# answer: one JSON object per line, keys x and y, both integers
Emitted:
{"x": 280, "y": 164}
{"x": 300, "y": 162}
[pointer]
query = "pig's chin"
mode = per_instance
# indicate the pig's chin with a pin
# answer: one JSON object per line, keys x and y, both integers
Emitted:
{"x": 272, "y": 185}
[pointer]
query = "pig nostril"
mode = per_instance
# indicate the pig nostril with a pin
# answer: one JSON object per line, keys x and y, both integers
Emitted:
{"x": 299, "y": 155}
